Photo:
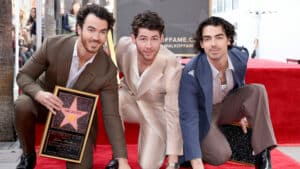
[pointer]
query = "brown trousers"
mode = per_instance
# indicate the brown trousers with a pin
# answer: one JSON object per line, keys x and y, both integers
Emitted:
{"x": 250, "y": 101}
{"x": 27, "y": 113}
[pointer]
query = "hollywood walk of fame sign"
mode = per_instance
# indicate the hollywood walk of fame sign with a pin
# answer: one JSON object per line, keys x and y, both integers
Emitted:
{"x": 66, "y": 132}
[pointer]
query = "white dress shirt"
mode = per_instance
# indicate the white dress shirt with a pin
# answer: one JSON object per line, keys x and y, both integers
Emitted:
{"x": 75, "y": 70}
{"x": 221, "y": 90}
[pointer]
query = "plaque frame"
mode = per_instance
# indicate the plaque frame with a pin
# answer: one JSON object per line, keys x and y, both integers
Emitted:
{"x": 63, "y": 138}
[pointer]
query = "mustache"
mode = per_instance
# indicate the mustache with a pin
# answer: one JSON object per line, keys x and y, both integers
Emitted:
{"x": 96, "y": 41}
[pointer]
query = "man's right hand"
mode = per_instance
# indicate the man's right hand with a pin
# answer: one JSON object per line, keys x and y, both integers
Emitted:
{"x": 49, "y": 100}
{"x": 123, "y": 163}
{"x": 197, "y": 163}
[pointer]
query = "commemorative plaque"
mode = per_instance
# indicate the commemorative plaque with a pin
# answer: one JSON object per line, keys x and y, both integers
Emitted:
{"x": 66, "y": 133}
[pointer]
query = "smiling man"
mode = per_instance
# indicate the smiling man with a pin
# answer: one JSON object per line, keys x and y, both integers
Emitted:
{"x": 213, "y": 92}
{"x": 77, "y": 62}
{"x": 149, "y": 90}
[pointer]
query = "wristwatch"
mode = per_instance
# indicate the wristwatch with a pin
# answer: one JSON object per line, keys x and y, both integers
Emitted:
{"x": 173, "y": 165}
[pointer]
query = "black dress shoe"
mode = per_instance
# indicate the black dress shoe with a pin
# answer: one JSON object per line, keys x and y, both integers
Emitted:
{"x": 27, "y": 162}
{"x": 263, "y": 160}
{"x": 113, "y": 164}
{"x": 186, "y": 164}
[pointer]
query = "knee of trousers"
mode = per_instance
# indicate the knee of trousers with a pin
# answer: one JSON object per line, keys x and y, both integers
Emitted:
{"x": 257, "y": 89}
{"x": 24, "y": 107}
{"x": 151, "y": 161}
{"x": 147, "y": 164}
{"x": 222, "y": 156}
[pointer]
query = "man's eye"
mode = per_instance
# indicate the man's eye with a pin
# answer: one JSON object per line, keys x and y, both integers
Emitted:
{"x": 219, "y": 37}
{"x": 103, "y": 32}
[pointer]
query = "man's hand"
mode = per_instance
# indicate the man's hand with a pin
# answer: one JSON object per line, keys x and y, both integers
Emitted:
{"x": 244, "y": 124}
{"x": 49, "y": 100}
{"x": 172, "y": 159}
{"x": 123, "y": 163}
{"x": 197, "y": 163}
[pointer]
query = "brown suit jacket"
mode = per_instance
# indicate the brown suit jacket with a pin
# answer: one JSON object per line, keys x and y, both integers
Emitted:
{"x": 50, "y": 66}
{"x": 157, "y": 93}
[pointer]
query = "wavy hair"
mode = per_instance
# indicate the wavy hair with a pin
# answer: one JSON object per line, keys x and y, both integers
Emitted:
{"x": 214, "y": 21}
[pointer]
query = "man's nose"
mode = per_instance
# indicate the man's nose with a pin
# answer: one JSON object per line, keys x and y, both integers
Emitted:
{"x": 148, "y": 43}
{"x": 96, "y": 36}
{"x": 213, "y": 42}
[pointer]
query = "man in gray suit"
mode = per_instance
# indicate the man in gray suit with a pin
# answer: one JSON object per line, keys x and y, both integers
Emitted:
{"x": 77, "y": 62}
{"x": 213, "y": 92}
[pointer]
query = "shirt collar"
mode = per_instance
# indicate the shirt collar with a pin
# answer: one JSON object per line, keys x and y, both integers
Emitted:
{"x": 75, "y": 54}
{"x": 230, "y": 65}
{"x": 215, "y": 72}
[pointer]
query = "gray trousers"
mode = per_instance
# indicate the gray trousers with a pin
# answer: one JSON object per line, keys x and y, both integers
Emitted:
{"x": 250, "y": 101}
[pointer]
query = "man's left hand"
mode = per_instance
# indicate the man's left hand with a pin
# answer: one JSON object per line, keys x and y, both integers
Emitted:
{"x": 244, "y": 124}
{"x": 172, "y": 159}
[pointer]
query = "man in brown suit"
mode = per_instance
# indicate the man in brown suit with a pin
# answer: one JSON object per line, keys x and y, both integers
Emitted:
{"x": 148, "y": 93}
{"x": 77, "y": 62}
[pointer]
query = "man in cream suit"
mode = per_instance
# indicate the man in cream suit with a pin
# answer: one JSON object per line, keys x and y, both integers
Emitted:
{"x": 148, "y": 91}
{"x": 77, "y": 62}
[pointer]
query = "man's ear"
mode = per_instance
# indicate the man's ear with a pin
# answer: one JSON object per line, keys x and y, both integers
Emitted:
{"x": 200, "y": 43}
{"x": 78, "y": 29}
{"x": 133, "y": 38}
{"x": 229, "y": 42}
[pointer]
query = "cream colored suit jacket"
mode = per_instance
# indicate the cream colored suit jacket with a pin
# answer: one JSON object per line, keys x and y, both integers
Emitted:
{"x": 157, "y": 93}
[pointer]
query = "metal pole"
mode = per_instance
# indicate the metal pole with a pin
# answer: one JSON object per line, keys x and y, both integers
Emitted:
{"x": 17, "y": 30}
{"x": 57, "y": 17}
{"x": 39, "y": 6}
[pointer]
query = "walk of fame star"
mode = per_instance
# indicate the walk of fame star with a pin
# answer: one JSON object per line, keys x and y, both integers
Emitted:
{"x": 72, "y": 114}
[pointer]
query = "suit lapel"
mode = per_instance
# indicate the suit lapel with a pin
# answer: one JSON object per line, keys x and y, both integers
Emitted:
{"x": 129, "y": 63}
{"x": 152, "y": 75}
{"x": 64, "y": 62}
{"x": 239, "y": 72}
{"x": 85, "y": 77}
{"x": 204, "y": 76}
{"x": 88, "y": 73}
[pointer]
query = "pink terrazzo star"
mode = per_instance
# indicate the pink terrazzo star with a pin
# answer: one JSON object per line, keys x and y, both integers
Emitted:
{"x": 72, "y": 114}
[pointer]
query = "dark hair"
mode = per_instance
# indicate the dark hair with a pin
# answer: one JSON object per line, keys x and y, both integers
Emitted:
{"x": 149, "y": 20}
{"x": 31, "y": 19}
{"x": 214, "y": 21}
{"x": 97, "y": 10}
